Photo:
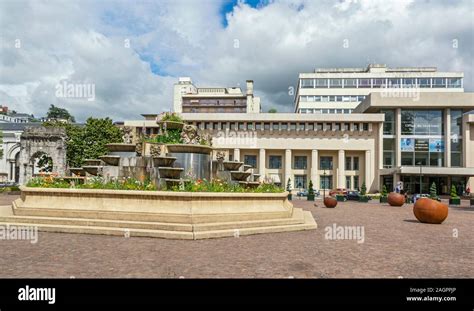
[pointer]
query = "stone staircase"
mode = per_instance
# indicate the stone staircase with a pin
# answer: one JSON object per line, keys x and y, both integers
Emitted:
{"x": 106, "y": 223}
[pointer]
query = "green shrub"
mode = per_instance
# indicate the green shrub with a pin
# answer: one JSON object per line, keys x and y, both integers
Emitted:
{"x": 454, "y": 193}
{"x": 170, "y": 116}
{"x": 433, "y": 191}
{"x": 363, "y": 189}
{"x": 310, "y": 190}
{"x": 384, "y": 192}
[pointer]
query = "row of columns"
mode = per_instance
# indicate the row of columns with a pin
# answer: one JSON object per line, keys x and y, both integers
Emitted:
{"x": 314, "y": 171}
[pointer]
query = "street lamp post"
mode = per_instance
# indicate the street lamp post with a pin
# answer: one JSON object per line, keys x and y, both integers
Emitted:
{"x": 324, "y": 184}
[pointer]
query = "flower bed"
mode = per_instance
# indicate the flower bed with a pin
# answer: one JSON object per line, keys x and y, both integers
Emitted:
{"x": 199, "y": 185}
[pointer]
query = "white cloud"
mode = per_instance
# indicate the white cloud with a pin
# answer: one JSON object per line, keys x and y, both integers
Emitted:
{"x": 83, "y": 42}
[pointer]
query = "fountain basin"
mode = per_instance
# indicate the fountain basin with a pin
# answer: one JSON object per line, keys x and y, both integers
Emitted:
{"x": 170, "y": 172}
{"x": 163, "y": 161}
{"x": 184, "y": 148}
{"x": 247, "y": 167}
{"x": 91, "y": 169}
{"x": 239, "y": 176}
{"x": 91, "y": 162}
{"x": 112, "y": 160}
{"x": 123, "y": 150}
{"x": 78, "y": 171}
{"x": 232, "y": 166}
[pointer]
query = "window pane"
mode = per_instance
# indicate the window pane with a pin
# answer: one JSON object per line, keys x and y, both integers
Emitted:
{"x": 300, "y": 162}
{"x": 364, "y": 83}
{"x": 348, "y": 163}
{"x": 307, "y": 83}
{"x": 335, "y": 83}
{"x": 250, "y": 160}
{"x": 424, "y": 82}
{"x": 356, "y": 164}
{"x": 275, "y": 162}
{"x": 454, "y": 82}
{"x": 350, "y": 83}
{"x": 321, "y": 83}
{"x": 407, "y": 158}
{"x": 439, "y": 82}
{"x": 325, "y": 163}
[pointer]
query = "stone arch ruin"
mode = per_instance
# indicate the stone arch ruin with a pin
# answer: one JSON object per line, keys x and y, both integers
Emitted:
{"x": 42, "y": 140}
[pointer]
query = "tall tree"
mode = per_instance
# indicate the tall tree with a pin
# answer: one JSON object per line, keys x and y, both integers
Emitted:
{"x": 57, "y": 113}
{"x": 88, "y": 141}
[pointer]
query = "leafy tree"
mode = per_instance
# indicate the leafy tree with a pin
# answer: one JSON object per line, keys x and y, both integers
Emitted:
{"x": 288, "y": 185}
{"x": 88, "y": 141}
{"x": 45, "y": 163}
{"x": 433, "y": 191}
{"x": 363, "y": 189}
{"x": 272, "y": 110}
{"x": 57, "y": 113}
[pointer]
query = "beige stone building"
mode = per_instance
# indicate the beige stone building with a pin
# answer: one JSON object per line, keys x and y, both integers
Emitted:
{"x": 391, "y": 138}
{"x": 188, "y": 98}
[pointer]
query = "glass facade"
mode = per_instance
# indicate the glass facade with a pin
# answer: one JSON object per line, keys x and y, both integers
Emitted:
{"x": 389, "y": 123}
{"x": 422, "y": 122}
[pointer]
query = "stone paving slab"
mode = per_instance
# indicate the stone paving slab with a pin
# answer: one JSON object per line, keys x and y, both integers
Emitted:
{"x": 395, "y": 245}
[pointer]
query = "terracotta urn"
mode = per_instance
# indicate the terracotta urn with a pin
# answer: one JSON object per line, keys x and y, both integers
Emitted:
{"x": 430, "y": 211}
{"x": 330, "y": 202}
{"x": 395, "y": 199}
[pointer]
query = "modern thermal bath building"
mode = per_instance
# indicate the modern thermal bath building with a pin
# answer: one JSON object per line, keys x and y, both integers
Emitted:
{"x": 389, "y": 138}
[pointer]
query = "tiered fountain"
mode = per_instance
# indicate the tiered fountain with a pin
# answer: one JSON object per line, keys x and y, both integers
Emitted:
{"x": 164, "y": 214}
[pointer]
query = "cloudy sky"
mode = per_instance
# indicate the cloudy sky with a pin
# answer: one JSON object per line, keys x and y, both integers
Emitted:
{"x": 133, "y": 51}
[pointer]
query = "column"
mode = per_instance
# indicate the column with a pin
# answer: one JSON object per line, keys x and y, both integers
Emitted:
{"x": 368, "y": 169}
{"x": 447, "y": 137}
{"x": 398, "y": 136}
{"x": 341, "y": 169}
{"x": 261, "y": 164}
{"x": 288, "y": 166}
{"x": 237, "y": 155}
{"x": 314, "y": 168}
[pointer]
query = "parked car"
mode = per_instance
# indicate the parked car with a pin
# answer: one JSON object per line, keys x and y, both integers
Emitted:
{"x": 304, "y": 193}
{"x": 417, "y": 196}
{"x": 342, "y": 191}
{"x": 353, "y": 195}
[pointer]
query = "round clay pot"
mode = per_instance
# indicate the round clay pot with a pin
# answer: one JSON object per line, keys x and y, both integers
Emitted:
{"x": 330, "y": 202}
{"x": 430, "y": 211}
{"x": 395, "y": 199}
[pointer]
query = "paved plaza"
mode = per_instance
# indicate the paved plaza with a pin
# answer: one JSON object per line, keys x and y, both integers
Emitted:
{"x": 395, "y": 245}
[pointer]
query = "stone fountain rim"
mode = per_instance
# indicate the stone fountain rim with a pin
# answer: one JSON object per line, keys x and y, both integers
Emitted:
{"x": 152, "y": 193}
{"x": 190, "y": 148}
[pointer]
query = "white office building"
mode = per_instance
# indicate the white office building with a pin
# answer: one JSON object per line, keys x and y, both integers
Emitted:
{"x": 340, "y": 90}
